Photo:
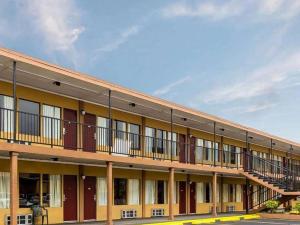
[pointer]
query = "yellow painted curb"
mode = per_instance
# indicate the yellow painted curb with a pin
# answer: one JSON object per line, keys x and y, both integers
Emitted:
{"x": 209, "y": 220}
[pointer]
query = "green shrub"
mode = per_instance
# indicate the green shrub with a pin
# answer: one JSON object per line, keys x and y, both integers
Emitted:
{"x": 272, "y": 204}
{"x": 297, "y": 207}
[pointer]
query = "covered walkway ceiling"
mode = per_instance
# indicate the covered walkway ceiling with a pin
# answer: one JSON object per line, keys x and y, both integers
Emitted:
{"x": 41, "y": 75}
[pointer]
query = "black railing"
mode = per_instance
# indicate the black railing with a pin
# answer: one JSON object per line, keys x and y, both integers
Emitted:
{"x": 261, "y": 196}
{"x": 55, "y": 132}
{"x": 275, "y": 173}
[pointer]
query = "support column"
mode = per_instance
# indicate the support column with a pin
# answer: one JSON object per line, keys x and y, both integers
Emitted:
{"x": 109, "y": 181}
{"x": 214, "y": 197}
{"x": 143, "y": 194}
{"x": 110, "y": 122}
{"x": 171, "y": 193}
{"x": 171, "y": 135}
{"x": 14, "y": 198}
{"x": 14, "y": 78}
{"x": 215, "y": 152}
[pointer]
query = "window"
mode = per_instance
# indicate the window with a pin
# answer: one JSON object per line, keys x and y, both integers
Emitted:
{"x": 232, "y": 154}
{"x": 51, "y": 121}
{"x": 134, "y": 136}
{"x": 160, "y": 192}
{"x": 120, "y": 191}
{"x": 150, "y": 191}
{"x": 102, "y": 131}
{"x": 4, "y": 190}
{"x": 120, "y": 129}
{"x": 29, "y": 121}
{"x": 29, "y": 190}
{"x": 6, "y": 113}
{"x": 149, "y": 139}
{"x": 207, "y": 192}
{"x": 172, "y": 145}
{"x": 51, "y": 190}
{"x": 208, "y": 150}
{"x": 199, "y": 150}
{"x": 225, "y": 153}
{"x": 161, "y": 140}
{"x": 232, "y": 192}
{"x": 217, "y": 158}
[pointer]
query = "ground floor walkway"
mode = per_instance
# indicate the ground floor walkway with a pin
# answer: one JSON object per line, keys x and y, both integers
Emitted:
{"x": 157, "y": 220}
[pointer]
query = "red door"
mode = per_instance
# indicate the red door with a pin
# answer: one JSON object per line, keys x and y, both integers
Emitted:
{"x": 182, "y": 197}
{"x": 182, "y": 156}
{"x": 90, "y": 198}
{"x": 89, "y": 133}
{"x": 192, "y": 149}
{"x": 70, "y": 198}
{"x": 193, "y": 197}
{"x": 70, "y": 129}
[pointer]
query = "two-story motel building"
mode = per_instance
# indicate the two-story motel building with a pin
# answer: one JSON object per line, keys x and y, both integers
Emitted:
{"x": 89, "y": 150}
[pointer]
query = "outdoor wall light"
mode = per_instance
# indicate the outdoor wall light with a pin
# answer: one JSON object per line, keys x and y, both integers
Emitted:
{"x": 57, "y": 83}
{"x": 83, "y": 177}
{"x": 82, "y": 112}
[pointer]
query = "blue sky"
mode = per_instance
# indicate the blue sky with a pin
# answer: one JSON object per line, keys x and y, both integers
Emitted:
{"x": 239, "y": 60}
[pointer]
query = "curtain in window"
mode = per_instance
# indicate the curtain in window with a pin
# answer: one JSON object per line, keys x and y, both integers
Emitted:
{"x": 199, "y": 192}
{"x": 225, "y": 153}
{"x": 218, "y": 192}
{"x": 150, "y": 191}
{"x": 102, "y": 191}
{"x": 210, "y": 192}
{"x": 7, "y": 116}
{"x": 238, "y": 193}
{"x": 102, "y": 131}
{"x": 175, "y": 193}
{"x": 4, "y": 189}
{"x": 165, "y": 192}
{"x": 238, "y": 155}
{"x": 172, "y": 145}
{"x": 149, "y": 139}
{"x": 133, "y": 192}
{"x": 199, "y": 150}
{"x": 55, "y": 190}
{"x": 51, "y": 121}
{"x": 225, "y": 192}
{"x": 208, "y": 152}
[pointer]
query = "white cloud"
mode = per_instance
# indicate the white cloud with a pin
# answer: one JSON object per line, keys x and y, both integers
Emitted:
{"x": 265, "y": 81}
{"x": 169, "y": 87}
{"x": 214, "y": 10}
{"x": 123, "y": 38}
{"x": 203, "y": 9}
{"x": 57, "y": 21}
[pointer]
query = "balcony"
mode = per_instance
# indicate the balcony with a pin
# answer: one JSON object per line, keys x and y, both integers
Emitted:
{"x": 33, "y": 129}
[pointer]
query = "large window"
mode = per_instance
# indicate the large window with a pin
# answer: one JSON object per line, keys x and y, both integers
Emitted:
{"x": 120, "y": 129}
{"x": 157, "y": 140}
{"x": 120, "y": 191}
{"x": 134, "y": 136}
{"x": 29, "y": 190}
{"x": 156, "y": 192}
{"x": 102, "y": 131}
{"x": 161, "y": 137}
{"x": 149, "y": 139}
{"x": 51, "y": 121}
{"x": 29, "y": 120}
{"x": 6, "y": 113}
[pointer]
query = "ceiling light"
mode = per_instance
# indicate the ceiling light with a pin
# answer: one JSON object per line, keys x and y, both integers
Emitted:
{"x": 184, "y": 119}
{"x": 132, "y": 104}
{"x": 222, "y": 129}
{"x": 57, "y": 83}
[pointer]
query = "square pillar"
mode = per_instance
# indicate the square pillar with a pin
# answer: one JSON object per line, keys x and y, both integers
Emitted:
{"x": 171, "y": 193}
{"x": 143, "y": 189}
{"x": 81, "y": 194}
{"x": 214, "y": 197}
{"x": 109, "y": 181}
{"x": 14, "y": 198}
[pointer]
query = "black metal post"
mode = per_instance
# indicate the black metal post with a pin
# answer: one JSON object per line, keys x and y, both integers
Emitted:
{"x": 246, "y": 157}
{"x": 171, "y": 134}
{"x": 247, "y": 195}
{"x": 15, "y": 100}
{"x": 214, "y": 152}
{"x": 110, "y": 122}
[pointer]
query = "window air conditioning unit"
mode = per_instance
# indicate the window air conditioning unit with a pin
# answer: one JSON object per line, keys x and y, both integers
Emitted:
{"x": 158, "y": 212}
{"x": 128, "y": 214}
{"x": 230, "y": 208}
{"x": 22, "y": 219}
